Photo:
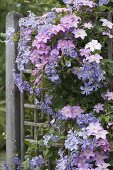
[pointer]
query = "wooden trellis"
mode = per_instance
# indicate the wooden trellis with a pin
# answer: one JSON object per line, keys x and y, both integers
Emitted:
{"x": 16, "y": 106}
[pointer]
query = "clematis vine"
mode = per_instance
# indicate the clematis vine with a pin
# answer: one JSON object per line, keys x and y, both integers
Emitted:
{"x": 65, "y": 49}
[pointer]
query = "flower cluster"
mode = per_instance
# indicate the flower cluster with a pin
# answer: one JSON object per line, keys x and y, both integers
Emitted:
{"x": 91, "y": 75}
{"x": 45, "y": 105}
{"x": 47, "y": 57}
{"x": 22, "y": 85}
{"x": 80, "y": 3}
{"x": 88, "y": 146}
{"x": 86, "y": 3}
{"x": 66, "y": 56}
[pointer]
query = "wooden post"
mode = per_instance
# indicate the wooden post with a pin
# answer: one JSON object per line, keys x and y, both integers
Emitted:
{"x": 110, "y": 47}
{"x": 12, "y": 95}
{"x": 110, "y": 40}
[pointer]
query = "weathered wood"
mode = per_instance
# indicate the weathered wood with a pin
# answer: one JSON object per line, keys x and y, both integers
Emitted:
{"x": 31, "y": 106}
{"x": 110, "y": 47}
{"x": 22, "y": 124}
{"x": 33, "y": 124}
{"x": 12, "y": 95}
{"x": 35, "y": 120}
{"x": 28, "y": 71}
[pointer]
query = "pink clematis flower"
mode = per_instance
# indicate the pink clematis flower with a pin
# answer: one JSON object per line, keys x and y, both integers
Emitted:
{"x": 71, "y": 111}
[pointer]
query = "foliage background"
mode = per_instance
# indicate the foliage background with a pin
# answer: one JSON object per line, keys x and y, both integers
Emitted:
{"x": 22, "y": 6}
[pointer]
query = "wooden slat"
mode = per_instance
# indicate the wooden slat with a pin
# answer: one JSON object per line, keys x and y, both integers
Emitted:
{"x": 31, "y": 106}
{"x": 56, "y": 145}
{"x": 35, "y": 120}
{"x": 28, "y": 71}
{"x": 28, "y": 123}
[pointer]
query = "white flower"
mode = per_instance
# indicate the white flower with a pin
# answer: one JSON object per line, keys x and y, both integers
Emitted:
{"x": 60, "y": 10}
{"x": 89, "y": 3}
{"x": 93, "y": 45}
{"x": 107, "y": 23}
{"x": 94, "y": 128}
{"x": 101, "y": 134}
{"x": 95, "y": 57}
{"x": 98, "y": 107}
{"x": 88, "y": 25}
{"x": 102, "y": 166}
{"x": 109, "y": 95}
{"x": 80, "y": 33}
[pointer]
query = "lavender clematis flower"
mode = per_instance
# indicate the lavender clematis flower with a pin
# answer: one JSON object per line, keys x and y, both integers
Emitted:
{"x": 73, "y": 53}
{"x": 71, "y": 111}
{"x": 72, "y": 141}
{"x": 68, "y": 1}
{"x": 22, "y": 85}
{"x": 103, "y": 2}
{"x": 106, "y": 23}
{"x": 9, "y": 35}
{"x": 63, "y": 163}
{"x": 50, "y": 138}
{"x": 98, "y": 107}
{"x": 85, "y": 119}
{"x": 37, "y": 161}
{"x": 109, "y": 96}
{"x": 16, "y": 161}
{"x": 7, "y": 167}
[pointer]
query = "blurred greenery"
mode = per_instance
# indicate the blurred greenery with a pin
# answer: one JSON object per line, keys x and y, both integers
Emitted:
{"x": 2, "y": 155}
{"x": 22, "y": 6}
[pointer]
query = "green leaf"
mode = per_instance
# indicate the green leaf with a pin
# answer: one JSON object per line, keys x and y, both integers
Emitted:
{"x": 37, "y": 168}
{"x": 103, "y": 8}
{"x": 107, "y": 61}
{"x": 25, "y": 165}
